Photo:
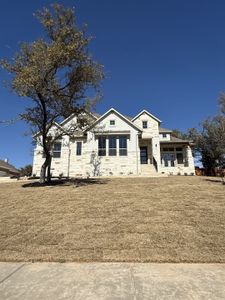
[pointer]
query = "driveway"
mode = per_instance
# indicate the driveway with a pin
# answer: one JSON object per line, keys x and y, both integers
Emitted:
{"x": 111, "y": 281}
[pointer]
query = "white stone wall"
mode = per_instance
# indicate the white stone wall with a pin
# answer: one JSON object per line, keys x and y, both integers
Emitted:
{"x": 166, "y": 138}
{"x": 181, "y": 169}
{"x": 112, "y": 165}
{"x": 152, "y": 132}
{"x": 90, "y": 164}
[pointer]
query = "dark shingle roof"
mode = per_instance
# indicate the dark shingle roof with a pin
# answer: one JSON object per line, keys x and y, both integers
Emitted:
{"x": 6, "y": 167}
{"x": 96, "y": 114}
{"x": 176, "y": 140}
{"x": 166, "y": 130}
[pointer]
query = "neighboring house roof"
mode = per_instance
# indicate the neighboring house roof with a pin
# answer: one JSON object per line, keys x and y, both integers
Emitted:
{"x": 164, "y": 130}
{"x": 175, "y": 140}
{"x": 118, "y": 114}
{"x": 6, "y": 167}
{"x": 148, "y": 113}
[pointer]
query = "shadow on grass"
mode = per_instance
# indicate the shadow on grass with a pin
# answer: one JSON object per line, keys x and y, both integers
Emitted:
{"x": 77, "y": 182}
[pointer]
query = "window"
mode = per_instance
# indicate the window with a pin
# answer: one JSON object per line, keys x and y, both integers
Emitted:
{"x": 123, "y": 145}
{"x": 164, "y": 135}
{"x": 112, "y": 145}
{"x": 102, "y": 146}
{"x": 144, "y": 124}
{"x": 180, "y": 158}
{"x": 57, "y": 150}
{"x": 79, "y": 148}
{"x": 112, "y": 122}
{"x": 178, "y": 149}
{"x": 168, "y": 159}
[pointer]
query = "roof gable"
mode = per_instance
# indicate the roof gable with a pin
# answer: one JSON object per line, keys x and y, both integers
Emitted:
{"x": 145, "y": 112}
{"x": 113, "y": 110}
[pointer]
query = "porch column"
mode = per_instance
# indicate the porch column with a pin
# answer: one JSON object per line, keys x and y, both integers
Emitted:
{"x": 156, "y": 152}
{"x": 189, "y": 157}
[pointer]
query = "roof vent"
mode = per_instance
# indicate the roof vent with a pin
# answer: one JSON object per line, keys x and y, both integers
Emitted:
{"x": 6, "y": 160}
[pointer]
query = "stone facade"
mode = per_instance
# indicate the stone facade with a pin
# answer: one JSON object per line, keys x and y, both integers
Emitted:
{"x": 127, "y": 161}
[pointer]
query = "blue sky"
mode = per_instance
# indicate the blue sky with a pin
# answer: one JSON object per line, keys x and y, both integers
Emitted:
{"x": 165, "y": 56}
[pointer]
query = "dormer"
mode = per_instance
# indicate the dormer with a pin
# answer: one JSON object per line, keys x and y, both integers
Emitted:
{"x": 164, "y": 134}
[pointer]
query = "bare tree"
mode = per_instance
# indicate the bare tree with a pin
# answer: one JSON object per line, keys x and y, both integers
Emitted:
{"x": 55, "y": 72}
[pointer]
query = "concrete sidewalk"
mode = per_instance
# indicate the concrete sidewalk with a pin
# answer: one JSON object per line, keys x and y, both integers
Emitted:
{"x": 91, "y": 281}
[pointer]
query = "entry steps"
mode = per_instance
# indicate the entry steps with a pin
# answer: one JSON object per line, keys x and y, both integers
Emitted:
{"x": 148, "y": 170}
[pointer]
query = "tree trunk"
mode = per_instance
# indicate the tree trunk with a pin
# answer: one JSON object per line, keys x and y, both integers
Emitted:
{"x": 49, "y": 170}
{"x": 46, "y": 167}
{"x": 43, "y": 173}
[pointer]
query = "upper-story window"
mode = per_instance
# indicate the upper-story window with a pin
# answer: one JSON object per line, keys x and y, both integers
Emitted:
{"x": 164, "y": 135}
{"x": 144, "y": 124}
{"x": 79, "y": 148}
{"x": 112, "y": 122}
{"x": 102, "y": 146}
{"x": 123, "y": 145}
{"x": 57, "y": 149}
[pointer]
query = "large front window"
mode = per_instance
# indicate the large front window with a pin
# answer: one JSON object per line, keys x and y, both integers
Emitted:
{"x": 123, "y": 145}
{"x": 112, "y": 145}
{"x": 109, "y": 145}
{"x": 102, "y": 146}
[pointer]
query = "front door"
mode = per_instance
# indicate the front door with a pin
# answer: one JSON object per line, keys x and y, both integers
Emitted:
{"x": 144, "y": 155}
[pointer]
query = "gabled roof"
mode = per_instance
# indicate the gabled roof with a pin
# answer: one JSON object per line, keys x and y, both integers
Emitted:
{"x": 148, "y": 113}
{"x": 161, "y": 130}
{"x": 6, "y": 167}
{"x": 176, "y": 140}
{"x": 60, "y": 125}
{"x": 118, "y": 114}
{"x": 94, "y": 115}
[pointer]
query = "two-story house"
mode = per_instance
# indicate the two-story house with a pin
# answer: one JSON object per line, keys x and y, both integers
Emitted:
{"x": 116, "y": 145}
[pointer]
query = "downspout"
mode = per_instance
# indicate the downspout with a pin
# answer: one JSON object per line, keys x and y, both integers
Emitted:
{"x": 137, "y": 156}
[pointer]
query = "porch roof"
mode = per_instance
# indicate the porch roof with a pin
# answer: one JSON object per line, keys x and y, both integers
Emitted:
{"x": 175, "y": 140}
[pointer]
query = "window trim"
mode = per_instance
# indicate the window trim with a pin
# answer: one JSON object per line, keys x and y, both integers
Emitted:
{"x": 112, "y": 121}
{"x": 123, "y": 150}
{"x": 112, "y": 150}
{"x": 79, "y": 149}
{"x": 102, "y": 150}
{"x": 57, "y": 153}
{"x": 146, "y": 124}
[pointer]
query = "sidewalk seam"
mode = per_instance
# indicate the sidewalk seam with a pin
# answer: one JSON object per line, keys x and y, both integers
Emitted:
{"x": 8, "y": 276}
{"x": 133, "y": 282}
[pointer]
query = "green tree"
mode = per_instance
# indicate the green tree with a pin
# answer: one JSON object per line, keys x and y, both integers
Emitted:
{"x": 210, "y": 140}
{"x": 56, "y": 73}
{"x": 179, "y": 134}
{"x": 26, "y": 170}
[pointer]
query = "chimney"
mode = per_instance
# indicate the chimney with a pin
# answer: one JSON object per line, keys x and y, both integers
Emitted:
{"x": 6, "y": 160}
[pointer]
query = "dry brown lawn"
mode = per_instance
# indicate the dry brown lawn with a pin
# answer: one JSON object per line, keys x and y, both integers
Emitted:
{"x": 174, "y": 219}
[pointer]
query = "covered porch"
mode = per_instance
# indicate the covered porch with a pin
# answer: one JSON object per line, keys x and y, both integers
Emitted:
{"x": 147, "y": 160}
{"x": 176, "y": 158}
